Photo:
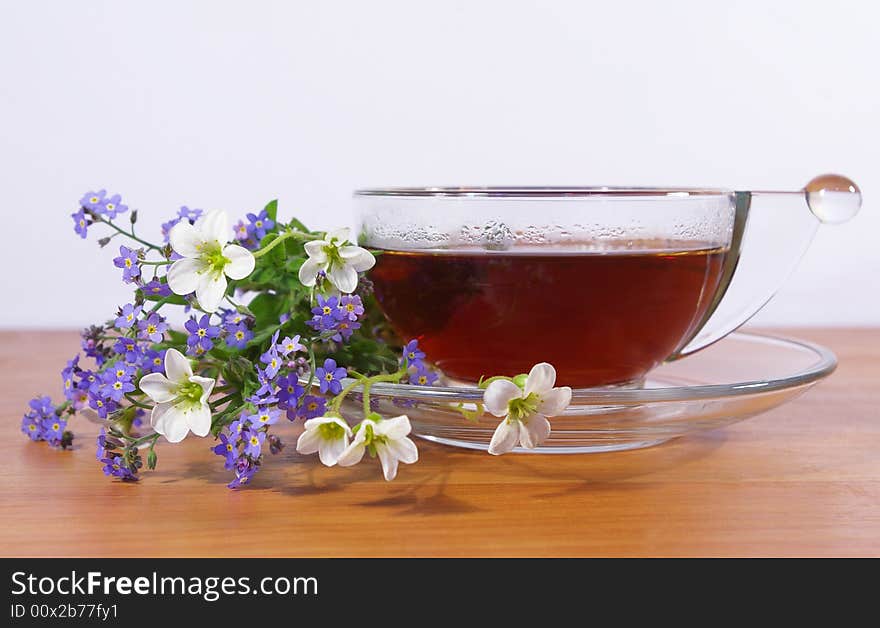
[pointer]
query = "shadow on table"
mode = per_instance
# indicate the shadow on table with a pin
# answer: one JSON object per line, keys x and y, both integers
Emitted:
{"x": 454, "y": 481}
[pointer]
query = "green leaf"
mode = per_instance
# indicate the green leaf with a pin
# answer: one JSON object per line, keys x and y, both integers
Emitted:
{"x": 296, "y": 224}
{"x": 237, "y": 370}
{"x": 173, "y": 299}
{"x": 266, "y": 308}
{"x": 272, "y": 210}
{"x": 177, "y": 337}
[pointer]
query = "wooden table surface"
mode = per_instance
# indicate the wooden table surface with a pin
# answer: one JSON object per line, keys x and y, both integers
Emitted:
{"x": 803, "y": 479}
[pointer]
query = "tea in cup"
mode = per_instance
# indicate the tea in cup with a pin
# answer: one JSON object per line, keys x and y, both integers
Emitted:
{"x": 603, "y": 283}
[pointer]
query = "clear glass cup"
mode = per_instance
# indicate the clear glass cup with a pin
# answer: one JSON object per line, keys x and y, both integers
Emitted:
{"x": 605, "y": 283}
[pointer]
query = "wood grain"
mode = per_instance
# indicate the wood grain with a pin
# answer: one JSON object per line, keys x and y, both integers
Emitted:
{"x": 803, "y": 479}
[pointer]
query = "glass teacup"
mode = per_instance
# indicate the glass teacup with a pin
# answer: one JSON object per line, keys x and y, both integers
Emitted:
{"x": 604, "y": 283}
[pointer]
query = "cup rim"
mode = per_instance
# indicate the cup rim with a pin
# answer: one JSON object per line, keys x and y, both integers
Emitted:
{"x": 541, "y": 191}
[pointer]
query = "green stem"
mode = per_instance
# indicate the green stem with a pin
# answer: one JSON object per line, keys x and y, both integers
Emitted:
{"x": 366, "y": 394}
{"x": 312, "y": 366}
{"x": 163, "y": 262}
{"x": 221, "y": 401}
{"x": 299, "y": 235}
{"x": 135, "y": 442}
{"x": 137, "y": 403}
{"x": 125, "y": 233}
{"x": 367, "y": 381}
{"x": 62, "y": 407}
{"x": 159, "y": 304}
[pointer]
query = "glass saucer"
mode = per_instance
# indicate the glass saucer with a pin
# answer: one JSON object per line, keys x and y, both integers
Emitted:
{"x": 738, "y": 377}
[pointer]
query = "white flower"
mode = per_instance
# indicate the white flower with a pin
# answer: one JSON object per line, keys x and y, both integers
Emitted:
{"x": 328, "y": 435}
{"x": 340, "y": 261}
{"x": 207, "y": 259}
{"x": 181, "y": 399}
{"x": 387, "y": 439}
{"x": 525, "y": 410}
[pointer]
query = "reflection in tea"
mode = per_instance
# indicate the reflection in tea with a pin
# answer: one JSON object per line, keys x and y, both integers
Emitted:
{"x": 601, "y": 316}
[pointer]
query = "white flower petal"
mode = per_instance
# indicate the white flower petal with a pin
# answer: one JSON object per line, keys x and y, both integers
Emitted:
{"x": 177, "y": 366}
{"x": 351, "y": 455}
{"x": 241, "y": 261}
{"x": 173, "y": 424}
{"x": 534, "y": 431}
{"x": 321, "y": 420}
{"x": 211, "y": 290}
{"x": 214, "y": 226}
{"x": 308, "y": 272}
{"x": 184, "y": 275}
{"x": 199, "y": 420}
{"x": 207, "y": 385}
{"x": 158, "y": 387}
{"x": 339, "y": 235}
{"x": 330, "y": 450}
{"x": 540, "y": 380}
{"x": 343, "y": 277}
{"x": 404, "y": 450}
{"x": 315, "y": 250}
{"x": 359, "y": 259}
{"x": 185, "y": 239}
{"x": 341, "y": 424}
{"x": 389, "y": 462}
{"x": 309, "y": 441}
{"x": 157, "y": 416}
{"x": 499, "y": 394}
{"x": 505, "y": 437}
{"x": 555, "y": 401}
{"x": 395, "y": 428}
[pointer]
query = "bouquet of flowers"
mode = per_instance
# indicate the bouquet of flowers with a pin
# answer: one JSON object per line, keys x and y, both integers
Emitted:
{"x": 282, "y": 323}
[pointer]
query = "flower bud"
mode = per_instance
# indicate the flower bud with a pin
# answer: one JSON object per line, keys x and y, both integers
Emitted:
{"x": 275, "y": 444}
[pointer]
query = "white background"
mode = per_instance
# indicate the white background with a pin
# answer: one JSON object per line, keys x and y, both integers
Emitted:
{"x": 222, "y": 104}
